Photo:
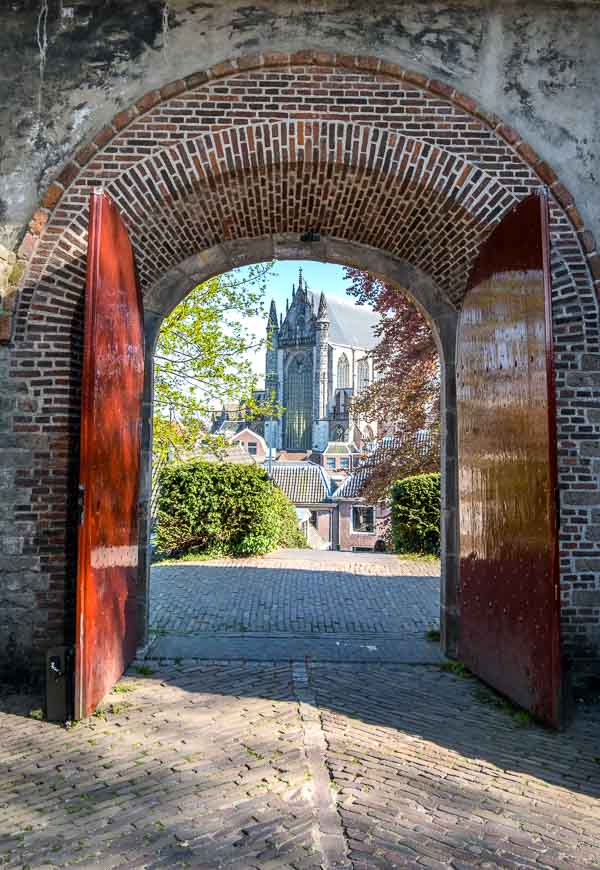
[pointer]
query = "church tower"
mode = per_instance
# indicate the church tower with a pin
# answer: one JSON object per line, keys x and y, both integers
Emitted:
{"x": 320, "y": 421}
{"x": 272, "y": 381}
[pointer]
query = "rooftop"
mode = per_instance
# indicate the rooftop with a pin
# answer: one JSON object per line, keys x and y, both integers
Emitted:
{"x": 341, "y": 447}
{"x": 302, "y": 482}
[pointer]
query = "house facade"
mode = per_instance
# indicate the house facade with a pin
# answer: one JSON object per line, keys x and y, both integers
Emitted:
{"x": 338, "y": 518}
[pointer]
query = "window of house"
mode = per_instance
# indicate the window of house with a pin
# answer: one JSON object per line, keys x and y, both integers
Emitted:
{"x": 331, "y": 462}
{"x": 313, "y": 518}
{"x": 363, "y": 519}
{"x": 252, "y": 448}
{"x": 345, "y": 462}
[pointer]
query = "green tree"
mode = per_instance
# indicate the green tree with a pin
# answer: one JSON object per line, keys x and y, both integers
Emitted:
{"x": 201, "y": 361}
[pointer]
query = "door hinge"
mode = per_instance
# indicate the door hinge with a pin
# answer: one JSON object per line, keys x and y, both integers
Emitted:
{"x": 80, "y": 504}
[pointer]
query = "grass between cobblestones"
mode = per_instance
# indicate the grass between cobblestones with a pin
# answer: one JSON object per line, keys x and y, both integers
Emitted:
{"x": 417, "y": 557}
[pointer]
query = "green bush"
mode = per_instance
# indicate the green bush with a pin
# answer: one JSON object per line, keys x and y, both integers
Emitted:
{"x": 416, "y": 514}
{"x": 223, "y": 509}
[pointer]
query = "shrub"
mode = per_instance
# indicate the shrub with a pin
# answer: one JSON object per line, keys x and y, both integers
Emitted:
{"x": 222, "y": 509}
{"x": 289, "y": 533}
{"x": 416, "y": 514}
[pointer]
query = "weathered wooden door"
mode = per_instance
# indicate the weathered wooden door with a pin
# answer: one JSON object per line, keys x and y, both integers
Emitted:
{"x": 509, "y": 581}
{"x": 111, "y": 413}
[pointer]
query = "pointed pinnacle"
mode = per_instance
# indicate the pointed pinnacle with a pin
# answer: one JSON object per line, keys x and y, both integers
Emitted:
{"x": 323, "y": 313}
{"x": 273, "y": 314}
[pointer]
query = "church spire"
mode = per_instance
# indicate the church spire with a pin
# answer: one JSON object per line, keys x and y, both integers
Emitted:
{"x": 302, "y": 288}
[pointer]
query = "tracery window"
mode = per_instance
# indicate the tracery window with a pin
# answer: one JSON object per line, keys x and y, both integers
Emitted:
{"x": 298, "y": 403}
{"x": 343, "y": 372}
{"x": 362, "y": 375}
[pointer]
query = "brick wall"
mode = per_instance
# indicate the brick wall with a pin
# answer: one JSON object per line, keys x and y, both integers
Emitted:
{"x": 349, "y": 538}
{"x": 357, "y": 149}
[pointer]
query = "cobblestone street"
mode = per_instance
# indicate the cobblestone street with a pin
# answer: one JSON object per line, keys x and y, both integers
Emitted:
{"x": 325, "y": 762}
{"x": 290, "y": 604}
{"x": 272, "y": 765}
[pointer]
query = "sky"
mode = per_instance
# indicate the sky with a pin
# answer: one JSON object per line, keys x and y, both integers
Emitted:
{"x": 318, "y": 276}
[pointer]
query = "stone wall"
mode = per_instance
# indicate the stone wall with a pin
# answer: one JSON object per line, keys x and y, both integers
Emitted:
{"x": 8, "y": 281}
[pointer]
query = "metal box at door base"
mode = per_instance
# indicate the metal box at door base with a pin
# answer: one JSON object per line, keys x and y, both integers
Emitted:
{"x": 59, "y": 683}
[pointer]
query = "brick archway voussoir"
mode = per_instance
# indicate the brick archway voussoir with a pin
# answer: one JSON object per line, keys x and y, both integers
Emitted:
{"x": 376, "y": 187}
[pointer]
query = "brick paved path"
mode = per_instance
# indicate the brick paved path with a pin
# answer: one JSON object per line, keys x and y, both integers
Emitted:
{"x": 295, "y": 763}
{"x": 277, "y": 765}
{"x": 297, "y": 591}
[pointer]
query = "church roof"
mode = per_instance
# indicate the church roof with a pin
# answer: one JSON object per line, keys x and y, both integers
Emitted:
{"x": 349, "y": 325}
{"x": 302, "y": 482}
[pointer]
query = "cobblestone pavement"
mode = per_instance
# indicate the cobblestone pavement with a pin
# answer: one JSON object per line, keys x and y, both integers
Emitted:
{"x": 297, "y": 592}
{"x": 278, "y": 765}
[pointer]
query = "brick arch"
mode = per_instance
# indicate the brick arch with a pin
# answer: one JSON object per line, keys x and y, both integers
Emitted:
{"x": 193, "y": 123}
{"x": 432, "y": 114}
{"x": 411, "y": 199}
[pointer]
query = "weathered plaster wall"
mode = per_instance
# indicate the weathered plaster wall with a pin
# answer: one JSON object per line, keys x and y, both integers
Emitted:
{"x": 533, "y": 63}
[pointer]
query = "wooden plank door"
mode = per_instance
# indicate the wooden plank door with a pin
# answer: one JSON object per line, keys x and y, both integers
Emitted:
{"x": 111, "y": 414}
{"x": 509, "y": 580}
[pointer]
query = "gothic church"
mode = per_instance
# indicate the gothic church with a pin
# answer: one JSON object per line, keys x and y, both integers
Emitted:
{"x": 317, "y": 359}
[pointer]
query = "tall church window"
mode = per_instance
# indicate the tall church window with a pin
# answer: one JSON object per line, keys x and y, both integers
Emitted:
{"x": 362, "y": 374}
{"x": 297, "y": 400}
{"x": 343, "y": 372}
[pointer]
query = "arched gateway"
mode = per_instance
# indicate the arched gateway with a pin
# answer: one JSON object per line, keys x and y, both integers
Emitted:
{"x": 396, "y": 174}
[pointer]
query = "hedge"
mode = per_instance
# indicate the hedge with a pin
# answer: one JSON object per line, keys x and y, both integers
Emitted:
{"x": 223, "y": 509}
{"x": 416, "y": 514}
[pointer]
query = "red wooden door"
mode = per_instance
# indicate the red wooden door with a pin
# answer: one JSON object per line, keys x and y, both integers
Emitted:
{"x": 509, "y": 582}
{"x": 111, "y": 413}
